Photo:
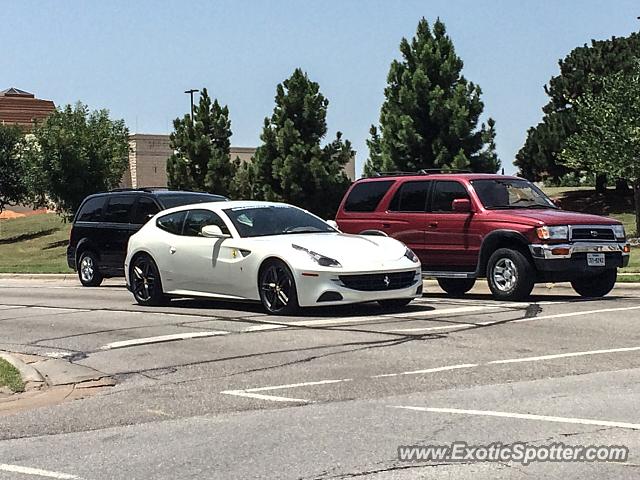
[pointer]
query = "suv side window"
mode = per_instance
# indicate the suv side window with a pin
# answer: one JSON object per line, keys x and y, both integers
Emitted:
{"x": 445, "y": 193}
{"x": 196, "y": 219}
{"x": 366, "y": 196}
{"x": 172, "y": 223}
{"x": 145, "y": 209}
{"x": 91, "y": 211}
{"x": 119, "y": 209}
{"x": 411, "y": 197}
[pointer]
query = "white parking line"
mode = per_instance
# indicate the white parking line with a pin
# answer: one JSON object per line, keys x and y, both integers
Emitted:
{"x": 565, "y": 355}
{"x": 37, "y": 472}
{"x": 428, "y": 370}
{"x": 575, "y": 314}
{"x": 523, "y": 416}
{"x": 250, "y": 392}
{"x": 161, "y": 339}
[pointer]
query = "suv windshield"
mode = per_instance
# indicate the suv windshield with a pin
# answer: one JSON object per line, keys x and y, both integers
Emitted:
{"x": 264, "y": 220}
{"x": 170, "y": 200}
{"x": 498, "y": 194}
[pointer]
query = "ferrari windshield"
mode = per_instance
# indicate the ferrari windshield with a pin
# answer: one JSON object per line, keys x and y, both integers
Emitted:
{"x": 496, "y": 194}
{"x": 264, "y": 220}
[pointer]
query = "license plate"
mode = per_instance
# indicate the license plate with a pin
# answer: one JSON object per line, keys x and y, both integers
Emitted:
{"x": 595, "y": 259}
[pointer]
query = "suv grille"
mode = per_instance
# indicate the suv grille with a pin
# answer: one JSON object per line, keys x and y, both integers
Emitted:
{"x": 379, "y": 281}
{"x": 594, "y": 234}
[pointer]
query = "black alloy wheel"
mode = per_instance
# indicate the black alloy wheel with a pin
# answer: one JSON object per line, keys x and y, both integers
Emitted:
{"x": 145, "y": 281}
{"x": 278, "y": 289}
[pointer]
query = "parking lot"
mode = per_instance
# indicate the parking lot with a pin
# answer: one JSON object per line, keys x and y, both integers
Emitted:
{"x": 221, "y": 390}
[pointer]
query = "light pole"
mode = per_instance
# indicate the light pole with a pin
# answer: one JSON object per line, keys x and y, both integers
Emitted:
{"x": 191, "y": 92}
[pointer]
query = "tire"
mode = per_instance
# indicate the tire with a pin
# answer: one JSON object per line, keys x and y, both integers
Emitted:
{"x": 596, "y": 285}
{"x": 146, "y": 284}
{"x": 277, "y": 288}
{"x": 395, "y": 303}
{"x": 88, "y": 271}
{"x": 456, "y": 287}
{"x": 510, "y": 274}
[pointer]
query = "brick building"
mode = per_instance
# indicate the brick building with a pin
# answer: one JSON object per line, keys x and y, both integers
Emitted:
{"x": 21, "y": 108}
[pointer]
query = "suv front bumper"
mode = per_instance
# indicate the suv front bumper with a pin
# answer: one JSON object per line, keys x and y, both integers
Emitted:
{"x": 572, "y": 257}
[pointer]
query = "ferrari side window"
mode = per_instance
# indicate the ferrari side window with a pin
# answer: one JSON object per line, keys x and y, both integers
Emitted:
{"x": 172, "y": 223}
{"x": 196, "y": 219}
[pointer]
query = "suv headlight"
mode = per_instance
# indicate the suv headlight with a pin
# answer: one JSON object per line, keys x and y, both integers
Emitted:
{"x": 318, "y": 258}
{"x": 618, "y": 231}
{"x": 411, "y": 256}
{"x": 553, "y": 233}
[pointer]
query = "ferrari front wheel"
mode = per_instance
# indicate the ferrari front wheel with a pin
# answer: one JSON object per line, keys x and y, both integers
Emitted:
{"x": 277, "y": 287}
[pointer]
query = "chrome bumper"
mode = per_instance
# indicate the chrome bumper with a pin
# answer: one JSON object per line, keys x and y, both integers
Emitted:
{"x": 547, "y": 251}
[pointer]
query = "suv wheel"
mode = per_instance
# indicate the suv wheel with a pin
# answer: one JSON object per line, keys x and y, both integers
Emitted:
{"x": 456, "y": 287}
{"x": 510, "y": 275}
{"x": 88, "y": 271}
{"x": 596, "y": 285}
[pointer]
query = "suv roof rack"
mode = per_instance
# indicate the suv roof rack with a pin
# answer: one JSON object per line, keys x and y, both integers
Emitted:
{"x": 424, "y": 171}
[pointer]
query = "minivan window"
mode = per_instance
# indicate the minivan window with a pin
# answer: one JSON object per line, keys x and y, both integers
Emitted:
{"x": 91, "y": 210}
{"x": 172, "y": 222}
{"x": 196, "y": 219}
{"x": 145, "y": 209}
{"x": 366, "y": 196}
{"x": 410, "y": 197}
{"x": 445, "y": 193}
{"x": 119, "y": 209}
{"x": 170, "y": 200}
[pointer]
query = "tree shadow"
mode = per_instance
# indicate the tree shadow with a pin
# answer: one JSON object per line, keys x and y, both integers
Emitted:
{"x": 27, "y": 236}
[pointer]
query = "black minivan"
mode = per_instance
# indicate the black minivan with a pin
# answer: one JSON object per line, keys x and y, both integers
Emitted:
{"x": 105, "y": 221}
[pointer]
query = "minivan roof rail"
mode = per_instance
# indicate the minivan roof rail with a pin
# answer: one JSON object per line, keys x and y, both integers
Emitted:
{"x": 140, "y": 189}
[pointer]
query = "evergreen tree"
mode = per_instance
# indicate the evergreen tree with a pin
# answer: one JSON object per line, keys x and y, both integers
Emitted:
{"x": 201, "y": 159}
{"x": 580, "y": 73}
{"x": 608, "y": 136}
{"x": 290, "y": 165}
{"x": 430, "y": 115}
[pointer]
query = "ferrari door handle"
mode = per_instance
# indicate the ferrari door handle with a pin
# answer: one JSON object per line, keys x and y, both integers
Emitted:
{"x": 386, "y": 225}
{"x": 172, "y": 250}
{"x": 433, "y": 224}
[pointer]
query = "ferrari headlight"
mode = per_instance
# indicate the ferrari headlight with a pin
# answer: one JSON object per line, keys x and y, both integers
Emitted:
{"x": 318, "y": 258}
{"x": 411, "y": 256}
{"x": 619, "y": 232}
{"x": 553, "y": 233}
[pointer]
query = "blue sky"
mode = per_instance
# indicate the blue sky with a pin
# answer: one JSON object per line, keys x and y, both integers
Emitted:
{"x": 135, "y": 58}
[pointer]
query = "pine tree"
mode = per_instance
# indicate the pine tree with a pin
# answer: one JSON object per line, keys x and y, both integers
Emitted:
{"x": 201, "y": 150}
{"x": 290, "y": 165}
{"x": 430, "y": 115}
{"x": 580, "y": 74}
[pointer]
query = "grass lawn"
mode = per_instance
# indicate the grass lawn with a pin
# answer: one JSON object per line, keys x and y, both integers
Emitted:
{"x": 34, "y": 244}
{"x": 10, "y": 377}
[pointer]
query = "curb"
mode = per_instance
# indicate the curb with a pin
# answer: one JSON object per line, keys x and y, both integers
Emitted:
{"x": 30, "y": 376}
{"x": 39, "y": 276}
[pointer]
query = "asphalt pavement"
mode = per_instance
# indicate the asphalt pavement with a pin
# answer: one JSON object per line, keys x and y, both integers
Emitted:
{"x": 207, "y": 389}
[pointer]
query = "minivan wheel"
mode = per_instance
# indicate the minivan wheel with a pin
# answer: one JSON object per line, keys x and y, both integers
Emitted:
{"x": 277, "y": 287}
{"x": 456, "y": 287}
{"x": 510, "y": 275}
{"x": 146, "y": 285}
{"x": 596, "y": 285}
{"x": 88, "y": 271}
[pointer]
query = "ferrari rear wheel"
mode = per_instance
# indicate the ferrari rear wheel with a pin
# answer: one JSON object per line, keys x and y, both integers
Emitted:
{"x": 278, "y": 289}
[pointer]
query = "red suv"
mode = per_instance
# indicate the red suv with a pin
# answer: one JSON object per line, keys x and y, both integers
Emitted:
{"x": 469, "y": 226}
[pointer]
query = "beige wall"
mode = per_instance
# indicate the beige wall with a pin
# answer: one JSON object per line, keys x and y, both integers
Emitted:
{"x": 148, "y": 155}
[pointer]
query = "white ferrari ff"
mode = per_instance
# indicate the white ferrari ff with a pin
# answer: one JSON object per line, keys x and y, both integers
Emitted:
{"x": 276, "y": 253}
